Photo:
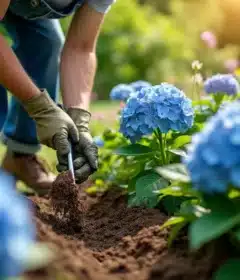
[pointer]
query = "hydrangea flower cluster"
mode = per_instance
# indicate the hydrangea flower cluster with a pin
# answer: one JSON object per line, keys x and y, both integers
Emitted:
{"x": 213, "y": 158}
{"x": 121, "y": 92}
{"x": 136, "y": 119}
{"x": 138, "y": 85}
{"x": 172, "y": 110}
{"x": 222, "y": 83}
{"x": 163, "y": 107}
{"x": 17, "y": 232}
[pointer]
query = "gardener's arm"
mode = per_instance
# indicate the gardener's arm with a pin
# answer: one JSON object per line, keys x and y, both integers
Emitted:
{"x": 78, "y": 67}
{"x": 53, "y": 125}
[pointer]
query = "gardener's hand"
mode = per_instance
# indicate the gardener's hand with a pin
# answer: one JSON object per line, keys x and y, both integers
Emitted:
{"x": 54, "y": 126}
{"x": 85, "y": 153}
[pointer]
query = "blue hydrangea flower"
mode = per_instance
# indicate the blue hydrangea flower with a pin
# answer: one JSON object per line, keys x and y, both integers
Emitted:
{"x": 17, "y": 232}
{"x": 136, "y": 117}
{"x": 138, "y": 85}
{"x": 171, "y": 109}
{"x": 213, "y": 158}
{"x": 121, "y": 92}
{"x": 164, "y": 107}
{"x": 98, "y": 141}
{"x": 222, "y": 83}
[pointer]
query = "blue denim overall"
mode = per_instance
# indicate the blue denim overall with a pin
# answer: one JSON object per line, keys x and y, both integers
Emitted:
{"x": 37, "y": 42}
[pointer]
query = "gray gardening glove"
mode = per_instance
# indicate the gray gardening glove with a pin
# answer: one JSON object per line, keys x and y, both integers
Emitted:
{"x": 54, "y": 126}
{"x": 85, "y": 153}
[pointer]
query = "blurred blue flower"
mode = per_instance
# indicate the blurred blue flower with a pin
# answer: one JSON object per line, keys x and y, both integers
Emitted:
{"x": 213, "y": 158}
{"x": 138, "y": 85}
{"x": 171, "y": 109}
{"x": 136, "y": 117}
{"x": 222, "y": 83}
{"x": 164, "y": 107}
{"x": 121, "y": 92}
{"x": 17, "y": 232}
{"x": 98, "y": 141}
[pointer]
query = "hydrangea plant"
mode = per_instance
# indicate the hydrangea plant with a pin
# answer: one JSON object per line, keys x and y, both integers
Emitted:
{"x": 221, "y": 84}
{"x": 221, "y": 88}
{"x": 138, "y": 85}
{"x": 121, "y": 92}
{"x": 213, "y": 158}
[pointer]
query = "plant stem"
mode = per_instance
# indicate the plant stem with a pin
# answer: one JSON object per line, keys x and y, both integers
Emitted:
{"x": 162, "y": 145}
{"x": 218, "y": 98}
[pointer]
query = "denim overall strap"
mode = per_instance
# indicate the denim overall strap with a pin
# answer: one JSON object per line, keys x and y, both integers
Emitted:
{"x": 40, "y": 9}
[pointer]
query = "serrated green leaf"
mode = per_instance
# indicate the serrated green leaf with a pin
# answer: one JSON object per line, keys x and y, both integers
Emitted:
{"x": 132, "y": 181}
{"x": 147, "y": 185}
{"x": 134, "y": 150}
{"x": 229, "y": 271}
{"x": 212, "y": 226}
{"x": 174, "y": 172}
{"x": 171, "y": 204}
{"x": 172, "y": 221}
{"x": 39, "y": 256}
{"x": 181, "y": 141}
{"x": 135, "y": 201}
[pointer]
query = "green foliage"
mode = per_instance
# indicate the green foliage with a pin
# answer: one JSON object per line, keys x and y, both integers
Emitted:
{"x": 229, "y": 271}
{"x": 218, "y": 222}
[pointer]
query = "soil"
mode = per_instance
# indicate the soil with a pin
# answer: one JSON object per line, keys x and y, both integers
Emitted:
{"x": 100, "y": 238}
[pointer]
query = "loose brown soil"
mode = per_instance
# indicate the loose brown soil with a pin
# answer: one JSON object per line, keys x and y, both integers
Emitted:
{"x": 100, "y": 238}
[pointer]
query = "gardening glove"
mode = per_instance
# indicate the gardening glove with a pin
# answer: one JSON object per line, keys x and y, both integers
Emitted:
{"x": 85, "y": 152}
{"x": 54, "y": 126}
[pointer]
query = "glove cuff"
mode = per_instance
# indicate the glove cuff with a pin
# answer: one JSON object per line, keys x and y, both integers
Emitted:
{"x": 37, "y": 104}
{"x": 80, "y": 117}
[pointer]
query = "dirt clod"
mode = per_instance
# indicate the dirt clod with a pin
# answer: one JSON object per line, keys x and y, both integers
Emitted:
{"x": 65, "y": 200}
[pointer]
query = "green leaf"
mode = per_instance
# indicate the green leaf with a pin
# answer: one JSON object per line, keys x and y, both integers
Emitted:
{"x": 134, "y": 150}
{"x": 229, "y": 271}
{"x": 132, "y": 182}
{"x": 147, "y": 185}
{"x": 178, "y": 152}
{"x": 174, "y": 172}
{"x": 181, "y": 141}
{"x": 175, "y": 231}
{"x": 216, "y": 202}
{"x": 236, "y": 234}
{"x": 39, "y": 256}
{"x": 212, "y": 226}
{"x": 191, "y": 210}
{"x": 133, "y": 200}
{"x": 172, "y": 221}
{"x": 150, "y": 182}
{"x": 172, "y": 204}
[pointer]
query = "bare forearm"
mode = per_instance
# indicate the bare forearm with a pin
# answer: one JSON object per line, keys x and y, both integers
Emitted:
{"x": 77, "y": 75}
{"x": 12, "y": 75}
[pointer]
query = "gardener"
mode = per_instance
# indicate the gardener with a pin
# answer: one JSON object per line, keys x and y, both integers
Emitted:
{"x": 31, "y": 72}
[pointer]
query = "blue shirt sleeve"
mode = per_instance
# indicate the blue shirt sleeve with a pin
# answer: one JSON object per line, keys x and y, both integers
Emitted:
{"x": 101, "y": 6}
